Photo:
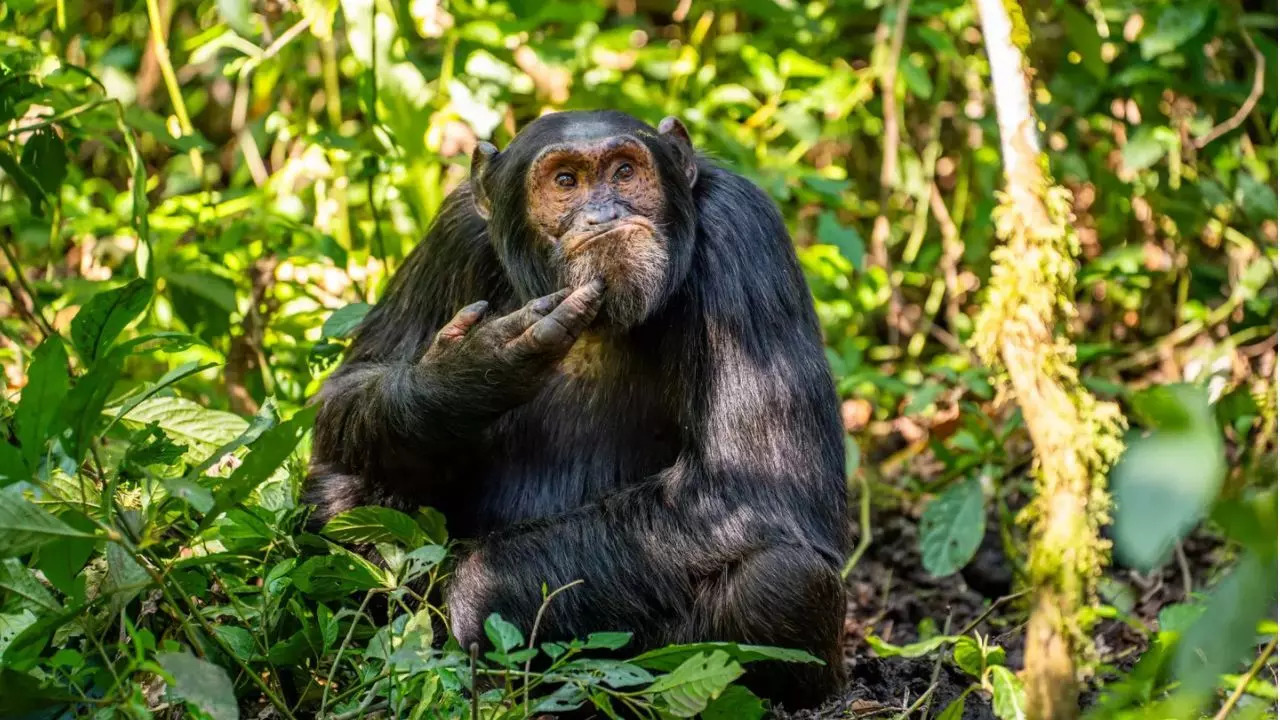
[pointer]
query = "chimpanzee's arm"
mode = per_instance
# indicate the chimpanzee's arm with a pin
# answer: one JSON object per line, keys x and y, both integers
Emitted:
{"x": 380, "y": 418}
{"x": 749, "y": 524}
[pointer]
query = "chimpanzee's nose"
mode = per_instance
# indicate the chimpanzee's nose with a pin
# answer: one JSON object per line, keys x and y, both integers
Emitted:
{"x": 601, "y": 214}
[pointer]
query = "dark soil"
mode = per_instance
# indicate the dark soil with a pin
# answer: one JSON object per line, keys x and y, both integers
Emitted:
{"x": 891, "y": 595}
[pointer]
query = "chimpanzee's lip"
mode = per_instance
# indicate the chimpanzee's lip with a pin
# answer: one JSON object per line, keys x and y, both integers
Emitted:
{"x": 638, "y": 223}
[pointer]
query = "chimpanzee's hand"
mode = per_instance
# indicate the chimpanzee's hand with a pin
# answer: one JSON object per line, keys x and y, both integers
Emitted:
{"x": 503, "y": 362}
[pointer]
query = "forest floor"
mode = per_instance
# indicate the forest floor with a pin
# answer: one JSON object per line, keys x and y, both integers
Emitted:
{"x": 891, "y": 596}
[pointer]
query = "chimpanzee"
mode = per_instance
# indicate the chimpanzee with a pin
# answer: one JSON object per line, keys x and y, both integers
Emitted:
{"x": 603, "y": 364}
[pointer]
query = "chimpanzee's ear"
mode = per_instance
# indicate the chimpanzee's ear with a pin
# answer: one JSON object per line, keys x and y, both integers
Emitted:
{"x": 480, "y": 158}
{"x": 672, "y": 129}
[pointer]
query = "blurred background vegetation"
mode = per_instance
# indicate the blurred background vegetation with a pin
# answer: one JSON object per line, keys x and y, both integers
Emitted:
{"x": 265, "y": 165}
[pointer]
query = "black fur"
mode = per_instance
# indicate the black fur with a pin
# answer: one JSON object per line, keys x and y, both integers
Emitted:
{"x": 694, "y": 478}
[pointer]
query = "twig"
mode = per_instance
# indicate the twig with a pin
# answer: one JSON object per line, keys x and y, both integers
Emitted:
{"x": 54, "y": 119}
{"x": 987, "y": 613}
{"x": 864, "y": 525}
{"x": 889, "y": 155}
{"x": 324, "y": 696}
{"x": 937, "y": 667}
{"x": 475, "y": 691}
{"x": 171, "y": 83}
{"x": 920, "y": 701}
{"x": 1244, "y": 681}
{"x": 1187, "y": 585}
{"x": 533, "y": 634}
{"x": 1255, "y": 94}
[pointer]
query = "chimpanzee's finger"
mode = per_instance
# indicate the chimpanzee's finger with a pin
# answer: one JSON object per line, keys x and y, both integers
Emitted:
{"x": 461, "y": 323}
{"x": 557, "y": 331}
{"x": 508, "y": 327}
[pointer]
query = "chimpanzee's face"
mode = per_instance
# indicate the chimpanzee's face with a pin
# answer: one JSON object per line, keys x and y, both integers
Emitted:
{"x": 578, "y": 196}
{"x": 598, "y": 204}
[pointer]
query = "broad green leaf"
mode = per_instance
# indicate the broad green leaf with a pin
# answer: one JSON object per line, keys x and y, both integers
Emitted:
{"x": 951, "y": 528}
{"x": 1225, "y": 634}
{"x": 265, "y": 456}
{"x": 267, "y": 417}
{"x": 1165, "y": 482}
{"x": 201, "y": 683}
{"x": 502, "y": 634}
{"x": 735, "y": 703}
{"x": 37, "y": 417}
{"x": 672, "y": 656}
{"x": 330, "y": 577}
{"x": 202, "y": 430}
{"x": 44, "y": 156}
{"x": 17, "y": 580}
{"x": 607, "y": 640}
{"x": 13, "y": 467}
{"x": 954, "y": 710}
{"x": 25, "y": 182}
{"x": 1142, "y": 150}
{"x": 844, "y": 237}
{"x": 1178, "y": 617}
{"x": 23, "y": 695}
{"x": 146, "y": 121}
{"x": 375, "y": 524}
{"x": 343, "y": 321}
{"x": 912, "y": 650}
{"x": 82, "y": 410}
{"x": 184, "y": 370}
{"x": 1177, "y": 23}
{"x": 25, "y": 527}
{"x": 102, "y": 319}
{"x": 613, "y": 673}
{"x": 686, "y": 690}
{"x": 1008, "y": 698}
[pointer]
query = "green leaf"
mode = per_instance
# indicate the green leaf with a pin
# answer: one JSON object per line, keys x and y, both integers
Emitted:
{"x": 1165, "y": 482}
{"x": 1176, "y": 24}
{"x": 951, "y": 528}
{"x": 105, "y": 316}
{"x": 202, "y": 430}
{"x": 17, "y": 580}
{"x": 607, "y": 640}
{"x": 267, "y": 417}
{"x": 144, "y": 120}
{"x": 613, "y": 673}
{"x": 265, "y": 457}
{"x": 22, "y": 694}
{"x": 201, "y": 683}
{"x": 44, "y": 156}
{"x": 672, "y": 656}
{"x": 955, "y": 710}
{"x": 331, "y": 577}
{"x": 1178, "y": 617}
{"x": 968, "y": 656}
{"x": 82, "y": 410}
{"x": 1225, "y": 634}
{"x": 375, "y": 524}
{"x": 432, "y": 522}
{"x": 699, "y": 680}
{"x": 343, "y": 321}
{"x": 1008, "y": 699}
{"x": 25, "y": 182}
{"x": 25, "y": 527}
{"x": 37, "y": 413}
{"x": 1142, "y": 150}
{"x": 912, "y": 650}
{"x": 845, "y": 238}
{"x": 735, "y": 703}
{"x": 502, "y": 634}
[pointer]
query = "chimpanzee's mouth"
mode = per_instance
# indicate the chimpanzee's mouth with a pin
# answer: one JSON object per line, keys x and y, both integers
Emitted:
{"x": 634, "y": 224}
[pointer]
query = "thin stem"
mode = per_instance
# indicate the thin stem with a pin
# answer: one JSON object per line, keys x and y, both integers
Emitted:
{"x": 171, "y": 82}
{"x": 1244, "y": 681}
{"x": 864, "y": 524}
{"x": 324, "y": 696}
{"x": 533, "y": 634}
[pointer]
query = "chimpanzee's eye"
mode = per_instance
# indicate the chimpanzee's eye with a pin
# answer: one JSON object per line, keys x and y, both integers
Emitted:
{"x": 624, "y": 171}
{"x": 566, "y": 180}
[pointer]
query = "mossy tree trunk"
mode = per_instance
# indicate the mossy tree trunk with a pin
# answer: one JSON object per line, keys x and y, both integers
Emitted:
{"x": 1021, "y": 333}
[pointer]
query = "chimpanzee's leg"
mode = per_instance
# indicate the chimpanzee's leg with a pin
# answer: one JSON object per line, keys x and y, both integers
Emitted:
{"x": 665, "y": 586}
{"x": 787, "y": 596}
